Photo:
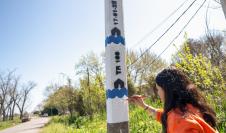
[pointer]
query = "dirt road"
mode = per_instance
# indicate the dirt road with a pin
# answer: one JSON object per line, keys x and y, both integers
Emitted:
{"x": 32, "y": 126}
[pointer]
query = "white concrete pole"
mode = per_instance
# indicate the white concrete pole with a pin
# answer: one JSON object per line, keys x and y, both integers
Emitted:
{"x": 116, "y": 82}
{"x": 223, "y": 4}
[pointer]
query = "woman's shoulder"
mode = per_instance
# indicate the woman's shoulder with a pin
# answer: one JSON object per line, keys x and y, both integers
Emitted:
{"x": 179, "y": 122}
{"x": 189, "y": 116}
{"x": 176, "y": 116}
{"x": 191, "y": 120}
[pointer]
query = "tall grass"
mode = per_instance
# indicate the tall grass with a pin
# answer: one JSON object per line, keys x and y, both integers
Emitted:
{"x": 65, "y": 124}
{"x": 9, "y": 123}
{"x": 140, "y": 122}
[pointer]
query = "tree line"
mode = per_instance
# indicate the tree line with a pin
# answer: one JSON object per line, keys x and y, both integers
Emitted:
{"x": 203, "y": 60}
{"x": 13, "y": 95}
{"x": 88, "y": 97}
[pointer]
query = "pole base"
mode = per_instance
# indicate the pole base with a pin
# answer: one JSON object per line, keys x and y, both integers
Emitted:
{"x": 122, "y": 127}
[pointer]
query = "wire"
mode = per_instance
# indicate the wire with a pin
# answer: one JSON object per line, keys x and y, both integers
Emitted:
{"x": 142, "y": 54}
{"x": 217, "y": 1}
{"x": 178, "y": 33}
{"x": 159, "y": 25}
{"x": 210, "y": 7}
{"x": 217, "y": 7}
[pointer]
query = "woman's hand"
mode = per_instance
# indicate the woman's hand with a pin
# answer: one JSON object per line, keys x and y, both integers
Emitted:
{"x": 138, "y": 100}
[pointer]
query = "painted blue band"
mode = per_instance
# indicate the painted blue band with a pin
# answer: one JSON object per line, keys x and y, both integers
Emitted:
{"x": 117, "y": 92}
{"x": 115, "y": 40}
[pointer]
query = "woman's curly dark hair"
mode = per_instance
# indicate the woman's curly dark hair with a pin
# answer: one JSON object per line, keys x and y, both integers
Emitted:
{"x": 180, "y": 91}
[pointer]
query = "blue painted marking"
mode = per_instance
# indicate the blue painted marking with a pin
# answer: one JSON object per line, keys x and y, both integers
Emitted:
{"x": 117, "y": 92}
{"x": 115, "y": 40}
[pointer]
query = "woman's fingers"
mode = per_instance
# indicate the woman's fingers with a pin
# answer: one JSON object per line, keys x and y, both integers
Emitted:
{"x": 130, "y": 100}
{"x": 134, "y": 101}
{"x": 137, "y": 100}
{"x": 138, "y": 97}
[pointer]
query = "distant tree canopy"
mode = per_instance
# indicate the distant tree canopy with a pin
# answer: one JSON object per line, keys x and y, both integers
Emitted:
{"x": 13, "y": 95}
{"x": 203, "y": 61}
{"x": 207, "y": 77}
{"x": 86, "y": 99}
{"x": 141, "y": 72}
{"x": 89, "y": 97}
{"x": 49, "y": 111}
{"x": 212, "y": 46}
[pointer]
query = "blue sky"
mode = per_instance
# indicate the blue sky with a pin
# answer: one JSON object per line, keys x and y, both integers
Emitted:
{"x": 43, "y": 38}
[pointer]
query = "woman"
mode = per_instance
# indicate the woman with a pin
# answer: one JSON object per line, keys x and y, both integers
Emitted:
{"x": 185, "y": 110}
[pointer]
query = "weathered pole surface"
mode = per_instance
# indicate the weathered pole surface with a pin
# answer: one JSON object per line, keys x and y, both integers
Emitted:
{"x": 116, "y": 82}
{"x": 223, "y": 4}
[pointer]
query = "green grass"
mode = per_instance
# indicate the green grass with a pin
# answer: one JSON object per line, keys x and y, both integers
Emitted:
{"x": 63, "y": 124}
{"x": 9, "y": 123}
{"x": 139, "y": 122}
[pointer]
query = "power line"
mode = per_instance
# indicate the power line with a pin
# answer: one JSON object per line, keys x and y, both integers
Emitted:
{"x": 159, "y": 25}
{"x": 217, "y": 1}
{"x": 179, "y": 33}
{"x": 210, "y": 7}
{"x": 142, "y": 54}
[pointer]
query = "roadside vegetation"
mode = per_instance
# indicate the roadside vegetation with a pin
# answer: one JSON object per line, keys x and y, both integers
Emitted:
{"x": 9, "y": 123}
{"x": 82, "y": 107}
{"x": 140, "y": 122}
{"x": 14, "y": 95}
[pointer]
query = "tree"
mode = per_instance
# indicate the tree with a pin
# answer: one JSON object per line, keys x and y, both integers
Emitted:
{"x": 24, "y": 94}
{"x": 51, "y": 111}
{"x": 80, "y": 106}
{"x": 131, "y": 87}
{"x": 57, "y": 100}
{"x": 63, "y": 98}
{"x": 14, "y": 96}
{"x": 10, "y": 98}
{"x": 94, "y": 99}
{"x": 92, "y": 89}
{"x": 206, "y": 76}
{"x": 210, "y": 46}
{"x": 91, "y": 67}
{"x": 144, "y": 67}
{"x": 8, "y": 86}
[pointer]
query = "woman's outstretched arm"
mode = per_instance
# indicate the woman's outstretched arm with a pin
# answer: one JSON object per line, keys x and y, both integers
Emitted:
{"x": 138, "y": 100}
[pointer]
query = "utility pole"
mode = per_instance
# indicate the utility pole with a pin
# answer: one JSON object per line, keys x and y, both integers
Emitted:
{"x": 223, "y": 4}
{"x": 116, "y": 82}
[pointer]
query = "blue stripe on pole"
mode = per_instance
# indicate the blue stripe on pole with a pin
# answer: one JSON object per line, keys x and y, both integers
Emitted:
{"x": 117, "y": 92}
{"x": 115, "y": 39}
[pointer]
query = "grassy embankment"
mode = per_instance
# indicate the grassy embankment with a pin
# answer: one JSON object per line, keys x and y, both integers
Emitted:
{"x": 140, "y": 122}
{"x": 9, "y": 123}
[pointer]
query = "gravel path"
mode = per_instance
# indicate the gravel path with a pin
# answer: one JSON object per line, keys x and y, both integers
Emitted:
{"x": 32, "y": 126}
